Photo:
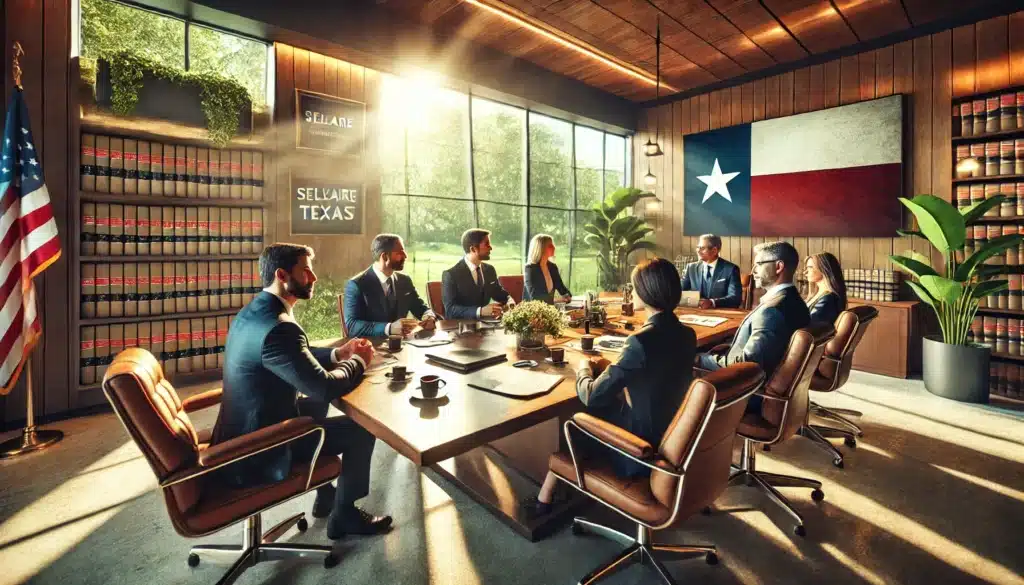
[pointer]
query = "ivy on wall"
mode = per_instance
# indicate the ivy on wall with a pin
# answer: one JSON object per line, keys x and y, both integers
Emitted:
{"x": 222, "y": 98}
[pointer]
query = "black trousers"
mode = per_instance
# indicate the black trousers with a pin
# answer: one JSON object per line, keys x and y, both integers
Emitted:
{"x": 342, "y": 436}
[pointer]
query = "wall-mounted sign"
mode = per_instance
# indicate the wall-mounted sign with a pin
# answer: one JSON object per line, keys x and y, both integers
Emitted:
{"x": 329, "y": 123}
{"x": 326, "y": 207}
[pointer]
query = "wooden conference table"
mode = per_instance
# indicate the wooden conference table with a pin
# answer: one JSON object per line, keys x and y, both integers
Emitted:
{"x": 493, "y": 447}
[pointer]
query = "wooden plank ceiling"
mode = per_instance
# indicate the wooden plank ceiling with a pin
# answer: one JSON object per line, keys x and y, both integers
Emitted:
{"x": 703, "y": 41}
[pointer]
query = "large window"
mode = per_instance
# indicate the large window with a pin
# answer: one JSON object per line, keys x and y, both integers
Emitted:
{"x": 450, "y": 161}
{"x": 110, "y": 27}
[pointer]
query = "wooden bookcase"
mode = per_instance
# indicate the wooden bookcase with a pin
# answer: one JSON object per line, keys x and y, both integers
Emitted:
{"x": 106, "y": 125}
{"x": 1002, "y": 359}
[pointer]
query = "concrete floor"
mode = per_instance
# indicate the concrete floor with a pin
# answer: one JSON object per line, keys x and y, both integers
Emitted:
{"x": 933, "y": 494}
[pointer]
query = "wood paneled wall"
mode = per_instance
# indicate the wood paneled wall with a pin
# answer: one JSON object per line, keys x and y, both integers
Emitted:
{"x": 43, "y": 27}
{"x": 338, "y": 257}
{"x": 930, "y": 70}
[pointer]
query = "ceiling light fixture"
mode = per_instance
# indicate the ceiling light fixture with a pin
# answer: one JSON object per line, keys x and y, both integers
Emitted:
{"x": 513, "y": 15}
{"x": 653, "y": 148}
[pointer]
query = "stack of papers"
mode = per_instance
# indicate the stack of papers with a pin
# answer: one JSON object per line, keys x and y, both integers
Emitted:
{"x": 702, "y": 320}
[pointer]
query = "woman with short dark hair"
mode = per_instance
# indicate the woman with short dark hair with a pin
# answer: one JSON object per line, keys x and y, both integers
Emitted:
{"x": 828, "y": 289}
{"x": 643, "y": 390}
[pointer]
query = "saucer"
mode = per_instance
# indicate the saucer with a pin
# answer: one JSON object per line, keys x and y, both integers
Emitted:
{"x": 417, "y": 393}
{"x": 554, "y": 363}
{"x": 407, "y": 378}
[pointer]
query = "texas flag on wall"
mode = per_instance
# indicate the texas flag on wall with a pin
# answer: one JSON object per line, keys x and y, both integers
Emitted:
{"x": 834, "y": 172}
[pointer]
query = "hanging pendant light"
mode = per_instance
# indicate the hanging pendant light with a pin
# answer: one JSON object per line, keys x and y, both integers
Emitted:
{"x": 652, "y": 148}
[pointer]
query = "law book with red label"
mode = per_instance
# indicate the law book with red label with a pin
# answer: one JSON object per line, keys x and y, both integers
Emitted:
{"x": 203, "y": 173}
{"x": 103, "y": 164}
{"x": 89, "y": 235}
{"x": 236, "y": 174}
{"x": 184, "y": 346}
{"x": 215, "y": 178}
{"x": 116, "y": 230}
{"x": 1007, "y": 112}
{"x": 192, "y": 231}
{"x": 117, "y": 165}
{"x": 225, "y": 284}
{"x": 145, "y": 168}
{"x": 156, "y": 183}
{"x": 131, "y": 230}
{"x": 87, "y": 356}
{"x": 131, "y": 290}
{"x": 210, "y": 343}
{"x": 966, "y": 119}
{"x": 88, "y": 303}
{"x": 116, "y": 290}
{"x": 87, "y": 168}
{"x": 197, "y": 350}
{"x": 102, "y": 350}
{"x": 180, "y": 233}
{"x": 246, "y": 175}
{"x": 191, "y": 172}
{"x": 144, "y": 288}
{"x": 170, "y": 171}
{"x": 192, "y": 286}
{"x": 156, "y": 288}
{"x": 257, "y": 176}
{"x": 203, "y": 231}
{"x": 168, "y": 284}
{"x": 180, "y": 171}
{"x": 170, "y": 348}
{"x": 223, "y": 324}
{"x": 203, "y": 285}
{"x": 180, "y": 288}
{"x": 131, "y": 166}
{"x": 214, "y": 270}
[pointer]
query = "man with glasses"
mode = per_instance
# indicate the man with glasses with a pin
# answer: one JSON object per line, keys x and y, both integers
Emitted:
{"x": 764, "y": 334}
{"x": 717, "y": 279}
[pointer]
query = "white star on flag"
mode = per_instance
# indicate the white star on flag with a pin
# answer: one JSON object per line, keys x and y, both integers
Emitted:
{"x": 24, "y": 131}
{"x": 33, "y": 162}
{"x": 717, "y": 182}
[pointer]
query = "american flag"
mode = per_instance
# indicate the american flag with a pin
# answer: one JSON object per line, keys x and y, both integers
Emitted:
{"x": 28, "y": 241}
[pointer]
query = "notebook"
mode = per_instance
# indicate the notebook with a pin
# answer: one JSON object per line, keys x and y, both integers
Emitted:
{"x": 464, "y": 359}
{"x": 689, "y": 298}
{"x": 514, "y": 382}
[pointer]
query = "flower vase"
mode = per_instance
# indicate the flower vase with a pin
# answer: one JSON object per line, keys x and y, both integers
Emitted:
{"x": 530, "y": 340}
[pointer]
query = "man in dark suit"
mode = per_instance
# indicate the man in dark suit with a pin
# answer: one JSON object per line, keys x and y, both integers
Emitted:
{"x": 764, "y": 334}
{"x": 377, "y": 300}
{"x": 267, "y": 364}
{"x": 717, "y": 279}
{"x": 468, "y": 287}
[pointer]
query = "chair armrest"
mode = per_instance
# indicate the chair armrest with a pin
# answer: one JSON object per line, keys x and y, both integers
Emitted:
{"x": 615, "y": 436}
{"x": 202, "y": 400}
{"x": 247, "y": 445}
{"x": 720, "y": 348}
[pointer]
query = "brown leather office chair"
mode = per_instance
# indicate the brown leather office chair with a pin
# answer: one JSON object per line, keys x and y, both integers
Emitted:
{"x": 434, "y": 298}
{"x": 157, "y": 420}
{"x": 514, "y": 285}
{"x": 689, "y": 469}
{"x": 783, "y": 413}
{"x": 833, "y": 371}
{"x": 747, "y": 286}
{"x": 341, "y": 314}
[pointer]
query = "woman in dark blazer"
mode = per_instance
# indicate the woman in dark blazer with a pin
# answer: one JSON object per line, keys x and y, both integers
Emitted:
{"x": 643, "y": 390}
{"x": 828, "y": 289}
{"x": 541, "y": 279}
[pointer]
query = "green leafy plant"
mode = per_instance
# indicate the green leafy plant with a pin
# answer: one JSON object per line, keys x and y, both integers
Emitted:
{"x": 533, "y": 317}
{"x": 955, "y": 296}
{"x": 222, "y": 98}
{"x": 616, "y": 234}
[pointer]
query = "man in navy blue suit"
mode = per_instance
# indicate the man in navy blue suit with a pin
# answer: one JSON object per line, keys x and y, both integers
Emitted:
{"x": 378, "y": 300}
{"x": 717, "y": 279}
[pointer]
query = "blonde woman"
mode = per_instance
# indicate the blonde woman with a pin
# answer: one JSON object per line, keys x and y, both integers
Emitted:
{"x": 541, "y": 279}
{"x": 827, "y": 288}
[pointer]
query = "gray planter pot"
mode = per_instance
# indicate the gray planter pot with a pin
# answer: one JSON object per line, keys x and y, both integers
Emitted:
{"x": 957, "y": 372}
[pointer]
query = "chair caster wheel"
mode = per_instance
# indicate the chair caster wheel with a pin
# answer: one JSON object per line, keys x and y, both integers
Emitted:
{"x": 193, "y": 560}
{"x": 711, "y": 558}
{"x": 302, "y": 525}
{"x": 330, "y": 561}
{"x": 817, "y": 495}
{"x": 577, "y": 530}
{"x": 800, "y": 530}
{"x": 850, "y": 442}
{"x": 838, "y": 463}
{"x": 706, "y": 511}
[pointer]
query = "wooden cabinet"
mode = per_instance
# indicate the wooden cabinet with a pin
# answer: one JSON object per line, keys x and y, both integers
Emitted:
{"x": 892, "y": 344}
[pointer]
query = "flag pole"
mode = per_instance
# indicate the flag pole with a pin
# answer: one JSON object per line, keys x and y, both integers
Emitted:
{"x": 31, "y": 439}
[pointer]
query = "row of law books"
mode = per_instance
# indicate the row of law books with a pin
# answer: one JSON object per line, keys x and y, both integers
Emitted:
{"x": 123, "y": 165}
{"x": 872, "y": 284}
{"x": 1006, "y": 379}
{"x": 1002, "y": 334}
{"x": 1011, "y": 205}
{"x": 995, "y": 159}
{"x": 1011, "y": 260}
{"x": 144, "y": 289}
{"x": 993, "y": 114}
{"x": 139, "y": 230}
{"x": 181, "y": 345}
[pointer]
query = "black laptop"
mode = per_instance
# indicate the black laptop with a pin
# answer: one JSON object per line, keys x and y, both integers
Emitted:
{"x": 465, "y": 359}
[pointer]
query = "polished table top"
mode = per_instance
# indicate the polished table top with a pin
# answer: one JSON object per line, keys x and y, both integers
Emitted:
{"x": 427, "y": 432}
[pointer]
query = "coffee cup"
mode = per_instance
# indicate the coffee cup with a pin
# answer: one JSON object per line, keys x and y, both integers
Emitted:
{"x": 394, "y": 342}
{"x": 587, "y": 342}
{"x": 398, "y": 373}
{"x": 557, "y": 354}
{"x": 627, "y": 309}
{"x": 429, "y": 385}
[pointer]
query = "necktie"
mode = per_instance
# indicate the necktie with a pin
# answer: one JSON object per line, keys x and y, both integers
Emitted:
{"x": 707, "y": 284}
{"x": 479, "y": 277}
{"x": 389, "y": 290}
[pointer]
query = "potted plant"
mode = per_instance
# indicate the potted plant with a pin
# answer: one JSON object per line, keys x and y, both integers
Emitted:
{"x": 131, "y": 84}
{"x": 531, "y": 321}
{"x": 953, "y": 367}
{"x": 616, "y": 234}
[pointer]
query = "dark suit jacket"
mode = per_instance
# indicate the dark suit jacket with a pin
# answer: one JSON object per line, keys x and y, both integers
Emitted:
{"x": 267, "y": 363}
{"x": 764, "y": 334}
{"x": 826, "y": 309}
{"x": 462, "y": 296}
{"x": 534, "y": 287}
{"x": 656, "y": 367}
{"x": 366, "y": 308}
{"x": 725, "y": 287}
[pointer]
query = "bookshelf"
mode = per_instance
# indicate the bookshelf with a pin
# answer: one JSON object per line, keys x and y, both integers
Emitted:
{"x": 990, "y": 127}
{"x": 192, "y": 325}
